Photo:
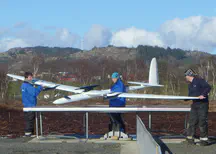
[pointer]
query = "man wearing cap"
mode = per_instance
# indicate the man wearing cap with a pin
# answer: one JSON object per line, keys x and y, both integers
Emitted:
{"x": 199, "y": 109}
{"x": 118, "y": 86}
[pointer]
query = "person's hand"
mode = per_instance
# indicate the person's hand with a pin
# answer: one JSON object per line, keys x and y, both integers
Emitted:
{"x": 42, "y": 86}
{"x": 201, "y": 97}
{"x": 34, "y": 80}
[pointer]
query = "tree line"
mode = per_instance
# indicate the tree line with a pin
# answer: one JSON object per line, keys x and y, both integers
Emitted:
{"x": 171, "y": 66}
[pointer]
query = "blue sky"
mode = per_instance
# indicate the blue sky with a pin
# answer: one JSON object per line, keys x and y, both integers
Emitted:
{"x": 79, "y": 15}
{"x": 114, "y": 15}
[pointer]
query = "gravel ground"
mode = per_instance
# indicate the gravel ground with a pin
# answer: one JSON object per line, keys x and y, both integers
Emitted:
{"x": 190, "y": 149}
{"x": 184, "y": 148}
{"x": 20, "y": 146}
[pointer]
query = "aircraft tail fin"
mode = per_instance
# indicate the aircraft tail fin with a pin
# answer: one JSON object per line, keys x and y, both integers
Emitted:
{"x": 153, "y": 76}
{"x": 153, "y": 72}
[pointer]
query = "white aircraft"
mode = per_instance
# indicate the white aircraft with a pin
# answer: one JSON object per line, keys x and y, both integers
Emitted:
{"x": 88, "y": 92}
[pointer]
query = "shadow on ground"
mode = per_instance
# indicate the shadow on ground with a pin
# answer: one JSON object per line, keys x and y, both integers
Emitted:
{"x": 184, "y": 148}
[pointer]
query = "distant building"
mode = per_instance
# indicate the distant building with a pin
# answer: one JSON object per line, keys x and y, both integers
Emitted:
{"x": 70, "y": 77}
{"x": 97, "y": 77}
{"x": 63, "y": 73}
{"x": 43, "y": 74}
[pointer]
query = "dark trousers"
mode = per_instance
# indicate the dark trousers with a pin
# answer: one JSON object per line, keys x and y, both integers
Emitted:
{"x": 198, "y": 117}
{"x": 29, "y": 122}
{"x": 117, "y": 123}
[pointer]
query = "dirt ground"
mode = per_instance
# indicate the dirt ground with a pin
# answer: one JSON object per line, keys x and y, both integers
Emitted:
{"x": 12, "y": 121}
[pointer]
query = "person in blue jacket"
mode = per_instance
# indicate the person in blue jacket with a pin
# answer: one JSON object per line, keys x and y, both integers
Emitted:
{"x": 116, "y": 118}
{"x": 29, "y": 99}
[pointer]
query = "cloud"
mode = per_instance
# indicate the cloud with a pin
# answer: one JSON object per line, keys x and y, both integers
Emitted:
{"x": 61, "y": 38}
{"x": 27, "y": 37}
{"x": 3, "y": 31}
{"x": 132, "y": 37}
{"x": 64, "y": 38}
{"x": 33, "y": 37}
{"x": 20, "y": 25}
{"x": 192, "y": 33}
{"x": 195, "y": 32}
{"x": 8, "y": 43}
{"x": 98, "y": 36}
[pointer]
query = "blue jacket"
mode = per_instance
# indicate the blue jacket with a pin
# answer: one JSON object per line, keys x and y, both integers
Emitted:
{"x": 118, "y": 87}
{"x": 29, "y": 94}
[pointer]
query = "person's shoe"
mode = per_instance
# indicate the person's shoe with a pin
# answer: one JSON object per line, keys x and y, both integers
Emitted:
{"x": 203, "y": 143}
{"x": 33, "y": 135}
{"x": 27, "y": 134}
{"x": 190, "y": 140}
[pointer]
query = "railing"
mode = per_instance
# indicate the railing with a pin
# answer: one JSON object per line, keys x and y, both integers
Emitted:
{"x": 145, "y": 141}
{"x": 103, "y": 109}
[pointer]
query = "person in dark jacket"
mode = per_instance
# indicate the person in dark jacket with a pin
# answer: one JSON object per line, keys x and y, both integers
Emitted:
{"x": 116, "y": 118}
{"x": 29, "y": 99}
{"x": 199, "y": 108}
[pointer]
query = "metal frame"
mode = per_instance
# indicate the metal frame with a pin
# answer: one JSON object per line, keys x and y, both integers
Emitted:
{"x": 36, "y": 121}
{"x": 150, "y": 120}
{"x": 107, "y": 109}
{"x": 100, "y": 110}
{"x": 86, "y": 124}
{"x": 41, "y": 124}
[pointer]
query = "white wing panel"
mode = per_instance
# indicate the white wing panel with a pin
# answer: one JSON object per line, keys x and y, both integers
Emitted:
{"x": 150, "y": 96}
{"x": 73, "y": 98}
{"x": 50, "y": 84}
{"x": 145, "y": 84}
{"x": 131, "y": 88}
{"x": 16, "y": 77}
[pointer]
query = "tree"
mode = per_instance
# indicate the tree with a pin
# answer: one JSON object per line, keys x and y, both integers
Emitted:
{"x": 3, "y": 81}
{"x": 36, "y": 62}
{"x": 212, "y": 71}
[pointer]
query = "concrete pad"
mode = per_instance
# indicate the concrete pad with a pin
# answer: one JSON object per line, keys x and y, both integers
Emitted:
{"x": 189, "y": 149}
{"x": 129, "y": 148}
{"x": 126, "y": 147}
{"x": 22, "y": 146}
{"x": 57, "y": 139}
{"x": 172, "y": 140}
{"x": 177, "y": 140}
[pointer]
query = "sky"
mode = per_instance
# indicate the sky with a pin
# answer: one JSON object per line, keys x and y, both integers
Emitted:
{"x": 85, "y": 24}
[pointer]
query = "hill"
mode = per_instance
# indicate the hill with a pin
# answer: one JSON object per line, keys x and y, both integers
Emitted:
{"x": 96, "y": 65}
{"x": 116, "y": 53}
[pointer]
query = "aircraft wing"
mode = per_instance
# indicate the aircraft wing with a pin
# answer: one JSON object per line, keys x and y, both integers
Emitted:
{"x": 151, "y": 96}
{"x": 82, "y": 96}
{"x": 51, "y": 84}
{"x": 73, "y": 98}
{"x": 16, "y": 77}
{"x": 131, "y": 88}
{"x": 145, "y": 84}
{"x": 106, "y": 94}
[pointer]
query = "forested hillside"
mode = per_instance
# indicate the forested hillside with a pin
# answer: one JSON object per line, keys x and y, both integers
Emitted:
{"x": 96, "y": 65}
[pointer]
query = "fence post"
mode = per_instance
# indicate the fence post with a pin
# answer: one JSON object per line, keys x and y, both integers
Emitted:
{"x": 150, "y": 121}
